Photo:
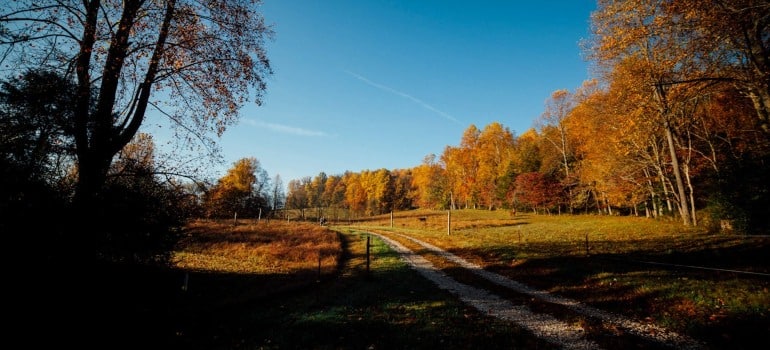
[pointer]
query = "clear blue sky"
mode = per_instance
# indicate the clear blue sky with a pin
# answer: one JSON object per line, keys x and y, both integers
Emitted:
{"x": 381, "y": 84}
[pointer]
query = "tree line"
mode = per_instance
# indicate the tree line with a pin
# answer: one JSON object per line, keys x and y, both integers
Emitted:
{"x": 676, "y": 123}
{"x": 79, "y": 80}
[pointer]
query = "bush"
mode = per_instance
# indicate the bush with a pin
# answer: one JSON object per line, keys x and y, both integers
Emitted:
{"x": 721, "y": 216}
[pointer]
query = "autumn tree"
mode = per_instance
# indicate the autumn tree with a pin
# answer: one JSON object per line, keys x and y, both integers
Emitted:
{"x": 554, "y": 129}
{"x": 730, "y": 39}
{"x": 315, "y": 193}
{"x": 334, "y": 194}
{"x": 461, "y": 166}
{"x": 356, "y": 191}
{"x": 528, "y": 155}
{"x": 241, "y": 191}
{"x": 538, "y": 191}
{"x": 636, "y": 35}
{"x": 553, "y": 126}
{"x": 205, "y": 58}
{"x": 494, "y": 152}
{"x": 297, "y": 197}
{"x": 401, "y": 180}
{"x": 429, "y": 184}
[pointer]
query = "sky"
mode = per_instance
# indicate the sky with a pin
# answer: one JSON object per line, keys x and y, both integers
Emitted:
{"x": 364, "y": 85}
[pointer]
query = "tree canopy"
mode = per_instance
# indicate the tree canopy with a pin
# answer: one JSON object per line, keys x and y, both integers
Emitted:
{"x": 194, "y": 62}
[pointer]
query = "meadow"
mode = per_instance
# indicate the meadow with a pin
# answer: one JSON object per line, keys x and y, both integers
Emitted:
{"x": 279, "y": 284}
{"x": 712, "y": 286}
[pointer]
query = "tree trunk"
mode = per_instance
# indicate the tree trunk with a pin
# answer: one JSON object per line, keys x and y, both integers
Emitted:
{"x": 692, "y": 196}
{"x": 683, "y": 208}
{"x": 761, "y": 104}
{"x": 97, "y": 139}
{"x": 661, "y": 175}
{"x": 653, "y": 196}
{"x": 598, "y": 205}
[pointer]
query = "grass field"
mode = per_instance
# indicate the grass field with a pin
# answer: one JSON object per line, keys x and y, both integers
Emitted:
{"x": 259, "y": 285}
{"x": 617, "y": 264}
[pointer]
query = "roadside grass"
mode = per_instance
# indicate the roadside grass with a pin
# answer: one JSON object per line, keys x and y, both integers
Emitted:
{"x": 615, "y": 273}
{"x": 257, "y": 247}
{"x": 217, "y": 268}
{"x": 391, "y": 307}
{"x": 256, "y": 286}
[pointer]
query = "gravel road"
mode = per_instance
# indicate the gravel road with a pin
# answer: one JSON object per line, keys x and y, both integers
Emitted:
{"x": 545, "y": 326}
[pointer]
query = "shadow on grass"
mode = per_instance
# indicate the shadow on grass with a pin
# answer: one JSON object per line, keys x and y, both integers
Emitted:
{"x": 725, "y": 309}
{"x": 393, "y": 307}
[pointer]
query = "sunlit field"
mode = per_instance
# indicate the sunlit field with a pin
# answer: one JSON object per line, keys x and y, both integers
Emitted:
{"x": 257, "y": 247}
{"x": 258, "y": 284}
{"x": 659, "y": 270}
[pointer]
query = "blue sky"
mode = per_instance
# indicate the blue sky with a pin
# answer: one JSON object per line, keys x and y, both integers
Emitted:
{"x": 381, "y": 84}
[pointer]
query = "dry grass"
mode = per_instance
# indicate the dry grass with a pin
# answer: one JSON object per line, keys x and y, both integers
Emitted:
{"x": 607, "y": 271}
{"x": 253, "y": 247}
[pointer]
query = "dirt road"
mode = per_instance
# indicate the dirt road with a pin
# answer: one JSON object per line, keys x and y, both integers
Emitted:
{"x": 543, "y": 325}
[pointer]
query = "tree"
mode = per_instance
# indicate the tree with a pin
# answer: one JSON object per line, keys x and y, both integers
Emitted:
{"x": 205, "y": 57}
{"x": 334, "y": 193}
{"x": 277, "y": 195}
{"x": 239, "y": 191}
{"x": 461, "y": 165}
{"x": 557, "y": 108}
{"x": 429, "y": 184}
{"x": 636, "y": 36}
{"x": 402, "y": 189}
{"x": 730, "y": 38}
{"x": 142, "y": 202}
{"x": 315, "y": 193}
{"x": 537, "y": 191}
{"x": 35, "y": 120}
{"x": 297, "y": 198}
{"x": 36, "y": 152}
{"x": 528, "y": 155}
{"x": 494, "y": 153}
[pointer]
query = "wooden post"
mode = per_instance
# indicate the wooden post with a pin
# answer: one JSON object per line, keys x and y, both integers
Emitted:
{"x": 259, "y": 218}
{"x": 186, "y": 281}
{"x": 235, "y": 218}
{"x": 391, "y": 219}
{"x": 448, "y": 222}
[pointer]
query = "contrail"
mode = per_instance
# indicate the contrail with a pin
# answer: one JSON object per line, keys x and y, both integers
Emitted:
{"x": 284, "y": 128}
{"x": 404, "y": 95}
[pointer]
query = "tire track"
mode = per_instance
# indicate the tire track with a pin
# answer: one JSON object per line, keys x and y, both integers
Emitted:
{"x": 543, "y": 326}
{"x": 647, "y": 331}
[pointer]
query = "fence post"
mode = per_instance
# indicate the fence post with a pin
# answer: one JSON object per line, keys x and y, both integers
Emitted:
{"x": 448, "y": 222}
{"x": 186, "y": 281}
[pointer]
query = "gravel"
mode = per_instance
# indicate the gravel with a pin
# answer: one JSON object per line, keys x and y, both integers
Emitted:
{"x": 542, "y": 325}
